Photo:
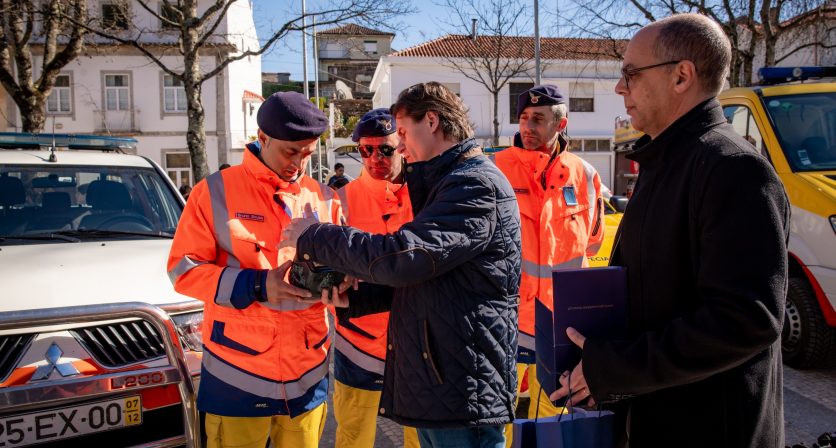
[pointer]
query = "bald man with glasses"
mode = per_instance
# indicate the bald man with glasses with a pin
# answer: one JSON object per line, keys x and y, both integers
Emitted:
{"x": 704, "y": 241}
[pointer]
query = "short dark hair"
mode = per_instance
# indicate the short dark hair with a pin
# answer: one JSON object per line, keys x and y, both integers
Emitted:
{"x": 424, "y": 97}
{"x": 696, "y": 38}
{"x": 338, "y": 166}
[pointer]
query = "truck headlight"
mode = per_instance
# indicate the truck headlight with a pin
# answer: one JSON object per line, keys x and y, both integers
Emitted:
{"x": 833, "y": 222}
{"x": 188, "y": 327}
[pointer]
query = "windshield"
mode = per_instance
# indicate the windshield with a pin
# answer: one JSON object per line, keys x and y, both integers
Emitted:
{"x": 100, "y": 201}
{"x": 806, "y": 128}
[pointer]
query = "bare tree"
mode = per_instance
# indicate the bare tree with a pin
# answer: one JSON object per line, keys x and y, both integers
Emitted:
{"x": 754, "y": 27}
{"x": 196, "y": 25}
{"x": 26, "y": 25}
{"x": 493, "y": 53}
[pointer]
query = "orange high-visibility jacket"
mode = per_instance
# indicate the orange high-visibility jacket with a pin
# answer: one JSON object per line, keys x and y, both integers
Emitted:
{"x": 261, "y": 359}
{"x": 375, "y": 206}
{"x": 555, "y": 235}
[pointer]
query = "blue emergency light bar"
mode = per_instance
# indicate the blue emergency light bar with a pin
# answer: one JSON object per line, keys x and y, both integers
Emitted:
{"x": 777, "y": 75}
{"x": 25, "y": 140}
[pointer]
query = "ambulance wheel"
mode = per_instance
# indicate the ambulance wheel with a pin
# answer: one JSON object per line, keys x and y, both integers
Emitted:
{"x": 807, "y": 341}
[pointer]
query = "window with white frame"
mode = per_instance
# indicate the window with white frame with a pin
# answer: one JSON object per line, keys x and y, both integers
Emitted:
{"x": 174, "y": 94}
{"x": 117, "y": 92}
{"x": 115, "y": 14}
{"x": 370, "y": 46}
{"x": 589, "y": 145}
{"x": 178, "y": 166}
{"x": 581, "y": 97}
{"x": 61, "y": 99}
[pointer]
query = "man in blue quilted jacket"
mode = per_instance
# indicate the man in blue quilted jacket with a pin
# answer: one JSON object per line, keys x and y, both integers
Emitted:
{"x": 450, "y": 279}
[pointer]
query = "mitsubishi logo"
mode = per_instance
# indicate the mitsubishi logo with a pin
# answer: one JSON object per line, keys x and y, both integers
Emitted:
{"x": 53, "y": 362}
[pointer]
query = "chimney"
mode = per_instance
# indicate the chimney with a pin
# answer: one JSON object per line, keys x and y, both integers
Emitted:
{"x": 473, "y": 30}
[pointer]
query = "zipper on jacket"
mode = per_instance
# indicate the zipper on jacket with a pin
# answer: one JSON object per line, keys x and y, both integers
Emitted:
{"x": 428, "y": 355}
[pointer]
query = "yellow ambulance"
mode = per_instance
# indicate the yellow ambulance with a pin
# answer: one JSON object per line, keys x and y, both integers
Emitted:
{"x": 791, "y": 119}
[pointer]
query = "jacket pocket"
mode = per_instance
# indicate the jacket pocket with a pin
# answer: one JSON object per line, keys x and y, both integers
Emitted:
{"x": 427, "y": 354}
{"x": 371, "y": 326}
{"x": 252, "y": 339}
{"x": 316, "y": 334}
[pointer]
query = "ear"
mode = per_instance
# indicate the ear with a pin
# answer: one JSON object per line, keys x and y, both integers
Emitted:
{"x": 685, "y": 76}
{"x": 262, "y": 137}
{"x": 561, "y": 126}
{"x": 432, "y": 120}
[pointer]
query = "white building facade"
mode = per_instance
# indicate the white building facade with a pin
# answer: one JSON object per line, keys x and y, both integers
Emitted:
{"x": 115, "y": 90}
{"x": 588, "y": 82}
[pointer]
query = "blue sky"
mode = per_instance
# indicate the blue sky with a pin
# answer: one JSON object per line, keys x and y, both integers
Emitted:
{"x": 426, "y": 24}
{"x": 286, "y": 56}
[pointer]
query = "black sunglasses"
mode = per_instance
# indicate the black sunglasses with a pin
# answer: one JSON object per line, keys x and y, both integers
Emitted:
{"x": 367, "y": 151}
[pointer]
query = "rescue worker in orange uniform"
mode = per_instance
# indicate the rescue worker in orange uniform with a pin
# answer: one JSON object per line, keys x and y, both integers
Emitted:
{"x": 561, "y": 211}
{"x": 377, "y": 202}
{"x": 265, "y": 370}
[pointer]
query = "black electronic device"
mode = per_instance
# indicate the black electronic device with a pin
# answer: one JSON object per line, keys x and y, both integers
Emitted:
{"x": 308, "y": 275}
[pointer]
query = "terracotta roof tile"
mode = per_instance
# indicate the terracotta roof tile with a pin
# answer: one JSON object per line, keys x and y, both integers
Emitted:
{"x": 463, "y": 46}
{"x": 354, "y": 30}
{"x": 252, "y": 97}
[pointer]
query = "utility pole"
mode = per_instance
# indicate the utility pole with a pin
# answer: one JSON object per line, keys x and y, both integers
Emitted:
{"x": 304, "y": 54}
{"x": 537, "y": 42}
{"x": 305, "y": 66}
{"x": 316, "y": 93}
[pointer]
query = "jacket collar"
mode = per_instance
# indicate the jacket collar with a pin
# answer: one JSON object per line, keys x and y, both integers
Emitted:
{"x": 423, "y": 176}
{"x": 705, "y": 115}
{"x": 376, "y": 187}
{"x": 255, "y": 167}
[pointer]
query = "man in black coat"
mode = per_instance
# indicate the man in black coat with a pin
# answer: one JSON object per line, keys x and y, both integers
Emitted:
{"x": 704, "y": 242}
{"x": 452, "y": 276}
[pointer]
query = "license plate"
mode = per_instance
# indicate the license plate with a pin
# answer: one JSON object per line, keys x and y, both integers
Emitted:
{"x": 56, "y": 424}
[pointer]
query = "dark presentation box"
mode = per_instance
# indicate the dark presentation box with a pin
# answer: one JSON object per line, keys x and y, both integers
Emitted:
{"x": 592, "y": 301}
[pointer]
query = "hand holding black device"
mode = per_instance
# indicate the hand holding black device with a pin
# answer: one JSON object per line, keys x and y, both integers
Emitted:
{"x": 314, "y": 278}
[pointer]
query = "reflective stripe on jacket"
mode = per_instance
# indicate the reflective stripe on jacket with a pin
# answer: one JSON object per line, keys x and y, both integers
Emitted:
{"x": 260, "y": 359}
{"x": 555, "y": 235}
{"x": 374, "y": 206}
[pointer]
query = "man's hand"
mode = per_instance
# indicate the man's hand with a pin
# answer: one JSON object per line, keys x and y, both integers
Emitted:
{"x": 578, "y": 386}
{"x": 298, "y": 226}
{"x": 279, "y": 290}
{"x": 338, "y": 296}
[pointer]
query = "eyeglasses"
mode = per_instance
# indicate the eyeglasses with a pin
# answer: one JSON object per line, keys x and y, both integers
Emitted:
{"x": 627, "y": 73}
{"x": 367, "y": 151}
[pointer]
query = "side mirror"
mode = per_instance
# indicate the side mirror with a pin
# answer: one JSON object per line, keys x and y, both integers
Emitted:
{"x": 619, "y": 203}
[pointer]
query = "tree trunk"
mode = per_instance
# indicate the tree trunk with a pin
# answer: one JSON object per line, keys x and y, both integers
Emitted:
{"x": 196, "y": 133}
{"x": 734, "y": 69}
{"x": 496, "y": 118}
{"x": 32, "y": 114}
{"x": 192, "y": 84}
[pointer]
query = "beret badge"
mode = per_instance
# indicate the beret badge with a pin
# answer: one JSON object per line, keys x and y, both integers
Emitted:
{"x": 534, "y": 98}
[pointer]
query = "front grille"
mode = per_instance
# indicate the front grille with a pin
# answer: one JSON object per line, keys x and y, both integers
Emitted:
{"x": 117, "y": 345}
{"x": 10, "y": 349}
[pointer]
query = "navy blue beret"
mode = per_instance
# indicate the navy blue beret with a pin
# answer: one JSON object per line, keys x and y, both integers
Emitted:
{"x": 374, "y": 123}
{"x": 545, "y": 95}
{"x": 291, "y": 117}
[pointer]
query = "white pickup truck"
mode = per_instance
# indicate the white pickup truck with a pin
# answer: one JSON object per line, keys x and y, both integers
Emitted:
{"x": 96, "y": 348}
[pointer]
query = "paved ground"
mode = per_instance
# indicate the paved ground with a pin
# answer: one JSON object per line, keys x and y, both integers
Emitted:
{"x": 809, "y": 404}
{"x": 809, "y": 410}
